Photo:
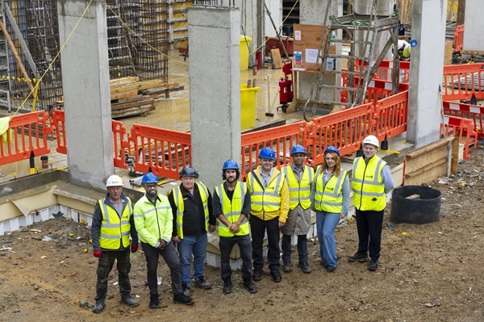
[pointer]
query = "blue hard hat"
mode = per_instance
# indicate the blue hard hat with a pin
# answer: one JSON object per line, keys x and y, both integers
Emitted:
{"x": 150, "y": 177}
{"x": 188, "y": 171}
{"x": 298, "y": 149}
{"x": 267, "y": 153}
{"x": 230, "y": 165}
{"x": 331, "y": 149}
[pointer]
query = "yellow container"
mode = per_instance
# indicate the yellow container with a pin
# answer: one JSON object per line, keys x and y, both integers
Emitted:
{"x": 244, "y": 52}
{"x": 248, "y": 103}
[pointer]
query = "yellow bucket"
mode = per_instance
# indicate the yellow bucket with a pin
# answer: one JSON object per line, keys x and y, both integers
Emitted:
{"x": 244, "y": 52}
{"x": 248, "y": 103}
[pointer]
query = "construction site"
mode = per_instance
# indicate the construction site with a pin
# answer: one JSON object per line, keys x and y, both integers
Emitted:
{"x": 94, "y": 88}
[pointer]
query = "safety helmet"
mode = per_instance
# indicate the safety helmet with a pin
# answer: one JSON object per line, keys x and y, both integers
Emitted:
{"x": 150, "y": 177}
{"x": 331, "y": 149}
{"x": 230, "y": 165}
{"x": 114, "y": 181}
{"x": 371, "y": 139}
{"x": 298, "y": 149}
{"x": 267, "y": 153}
{"x": 188, "y": 171}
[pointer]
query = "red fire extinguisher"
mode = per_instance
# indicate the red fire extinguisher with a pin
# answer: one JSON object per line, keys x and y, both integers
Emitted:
{"x": 286, "y": 91}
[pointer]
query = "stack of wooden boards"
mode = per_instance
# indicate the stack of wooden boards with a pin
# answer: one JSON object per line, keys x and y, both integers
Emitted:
{"x": 130, "y": 96}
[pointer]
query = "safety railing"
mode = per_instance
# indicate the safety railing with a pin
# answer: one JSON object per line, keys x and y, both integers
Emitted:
{"x": 391, "y": 116}
{"x": 58, "y": 129}
{"x": 385, "y": 70}
{"x": 376, "y": 90}
{"x": 458, "y": 38}
{"x": 25, "y": 137}
{"x": 462, "y": 81}
{"x": 467, "y": 111}
{"x": 461, "y": 128}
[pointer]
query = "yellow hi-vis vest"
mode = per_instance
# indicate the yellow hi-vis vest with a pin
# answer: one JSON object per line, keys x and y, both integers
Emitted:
{"x": 299, "y": 192}
{"x": 268, "y": 199}
{"x": 367, "y": 184}
{"x": 232, "y": 210}
{"x": 180, "y": 206}
{"x": 329, "y": 197}
{"x": 114, "y": 229}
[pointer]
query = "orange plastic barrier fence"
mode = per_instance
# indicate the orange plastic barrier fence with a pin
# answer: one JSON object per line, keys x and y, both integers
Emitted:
{"x": 162, "y": 151}
{"x": 376, "y": 90}
{"x": 121, "y": 144}
{"x": 458, "y": 38}
{"x": 391, "y": 115}
{"x": 58, "y": 126}
{"x": 26, "y": 134}
{"x": 385, "y": 70}
{"x": 467, "y": 111}
{"x": 461, "y": 81}
{"x": 459, "y": 127}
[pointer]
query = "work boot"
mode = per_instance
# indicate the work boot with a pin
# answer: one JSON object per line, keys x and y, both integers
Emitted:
{"x": 186, "y": 289}
{"x": 249, "y": 286}
{"x": 287, "y": 267}
{"x": 182, "y": 299}
{"x": 305, "y": 267}
{"x": 358, "y": 257}
{"x": 98, "y": 307}
{"x": 373, "y": 266}
{"x": 276, "y": 277}
{"x": 155, "y": 304}
{"x": 202, "y": 283}
{"x": 227, "y": 286}
{"x": 128, "y": 300}
{"x": 257, "y": 276}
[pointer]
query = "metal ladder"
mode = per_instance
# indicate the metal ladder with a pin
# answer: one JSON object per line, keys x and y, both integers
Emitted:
{"x": 4, "y": 68}
{"x": 360, "y": 66}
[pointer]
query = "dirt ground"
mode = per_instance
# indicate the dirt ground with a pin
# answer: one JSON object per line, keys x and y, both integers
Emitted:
{"x": 433, "y": 272}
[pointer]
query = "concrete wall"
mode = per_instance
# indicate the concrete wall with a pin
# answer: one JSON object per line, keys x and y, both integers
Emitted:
{"x": 473, "y": 40}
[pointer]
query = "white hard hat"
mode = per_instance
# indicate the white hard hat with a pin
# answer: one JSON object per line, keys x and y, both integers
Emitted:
{"x": 114, "y": 181}
{"x": 371, "y": 139}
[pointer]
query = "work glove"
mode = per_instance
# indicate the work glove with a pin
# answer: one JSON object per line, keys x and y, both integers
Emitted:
{"x": 97, "y": 253}
{"x": 134, "y": 248}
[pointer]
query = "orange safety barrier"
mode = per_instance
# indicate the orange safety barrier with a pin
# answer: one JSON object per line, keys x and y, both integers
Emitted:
{"x": 458, "y": 126}
{"x": 391, "y": 116}
{"x": 376, "y": 90}
{"x": 458, "y": 38}
{"x": 461, "y": 81}
{"x": 26, "y": 134}
{"x": 162, "y": 151}
{"x": 58, "y": 126}
{"x": 467, "y": 111}
{"x": 385, "y": 70}
{"x": 121, "y": 144}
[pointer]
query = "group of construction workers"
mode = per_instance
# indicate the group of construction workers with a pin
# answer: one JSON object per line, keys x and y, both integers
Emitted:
{"x": 269, "y": 203}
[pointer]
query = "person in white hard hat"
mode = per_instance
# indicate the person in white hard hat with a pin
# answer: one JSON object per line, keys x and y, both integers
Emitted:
{"x": 371, "y": 181}
{"x": 404, "y": 49}
{"x": 112, "y": 224}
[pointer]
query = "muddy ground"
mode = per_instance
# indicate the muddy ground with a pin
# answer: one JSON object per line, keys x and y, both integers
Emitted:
{"x": 432, "y": 272}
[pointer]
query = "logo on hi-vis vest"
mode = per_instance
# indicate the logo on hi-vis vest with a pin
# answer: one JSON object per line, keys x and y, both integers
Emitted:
{"x": 270, "y": 188}
{"x": 369, "y": 176}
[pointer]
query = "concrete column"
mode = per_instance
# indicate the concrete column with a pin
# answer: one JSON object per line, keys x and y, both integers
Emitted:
{"x": 214, "y": 40}
{"x": 426, "y": 70}
{"x": 85, "y": 79}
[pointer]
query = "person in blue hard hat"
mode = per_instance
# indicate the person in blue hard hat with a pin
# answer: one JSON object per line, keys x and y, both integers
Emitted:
{"x": 331, "y": 201}
{"x": 231, "y": 206}
{"x": 299, "y": 179}
{"x": 269, "y": 207}
{"x": 191, "y": 203}
{"x": 154, "y": 222}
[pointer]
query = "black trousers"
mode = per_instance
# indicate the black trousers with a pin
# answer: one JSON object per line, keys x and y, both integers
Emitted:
{"x": 104, "y": 267}
{"x": 258, "y": 227}
{"x": 369, "y": 225}
{"x": 226, "y": 244}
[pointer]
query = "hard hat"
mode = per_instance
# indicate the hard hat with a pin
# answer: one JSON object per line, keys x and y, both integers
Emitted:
{"x": 114, "y": 181}
{"x": 150, "y": 177}
{"x": 267, "y": 153}
{"x": 298, "y": 149}
{"x": 331, "y": 149}
{"x": 230, "y": 165}
{"x": 371, "y": 139}
{"x": 188, "y": 171}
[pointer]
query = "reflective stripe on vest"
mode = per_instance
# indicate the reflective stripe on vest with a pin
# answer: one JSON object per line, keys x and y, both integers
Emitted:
{"x": 232, "y": 210}
{"x": 367, "y": 184}
{"x": 268, "y": 199}
{"x": 180, "y": 206}
{"x": 329, "y": 197}
{"x": 299, "y": 192}
{"x": 113, "y": 228}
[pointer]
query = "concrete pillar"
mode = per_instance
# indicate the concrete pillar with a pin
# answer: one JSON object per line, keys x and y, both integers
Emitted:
{"x": 426, "y": 70}
{"x": 214, "y": 40}
{"x": 85, "y": 79}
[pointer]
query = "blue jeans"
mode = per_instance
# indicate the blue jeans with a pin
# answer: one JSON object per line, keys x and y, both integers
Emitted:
{"x": 326, "y": 224}
{"x": 196, "y": 245}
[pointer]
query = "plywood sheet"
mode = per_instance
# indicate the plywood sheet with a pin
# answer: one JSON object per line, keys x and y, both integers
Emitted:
{"x": 307, "y": 39}
{"x": 276, "y": 58}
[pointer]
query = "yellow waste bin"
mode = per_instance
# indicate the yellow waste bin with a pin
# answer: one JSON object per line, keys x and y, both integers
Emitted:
{"x": 244, "y": 52}
{"x": 248, "y": 103}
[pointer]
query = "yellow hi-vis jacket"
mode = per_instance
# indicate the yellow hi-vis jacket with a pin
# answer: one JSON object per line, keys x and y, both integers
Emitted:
{"x": 113, "y": 228}
{"x": 299, "y": 192}
{"x": 271, "y": 202}
{"x": 367, "y": 184}
{"x": 329, "y": 197}
{"x": 180, "y": 206}
{"x": 153, "y": 222}
{"x": 232, "y": 210}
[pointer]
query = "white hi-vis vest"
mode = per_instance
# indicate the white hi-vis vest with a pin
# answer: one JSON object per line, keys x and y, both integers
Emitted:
{"x": 180, "y": 206}
{"x": 232, "y": 210}
{"x": 114, "y": 229}
{"x": 299, "y": 192}
{"x": 367, "y": 184}
{"x": 329, "y": 197}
